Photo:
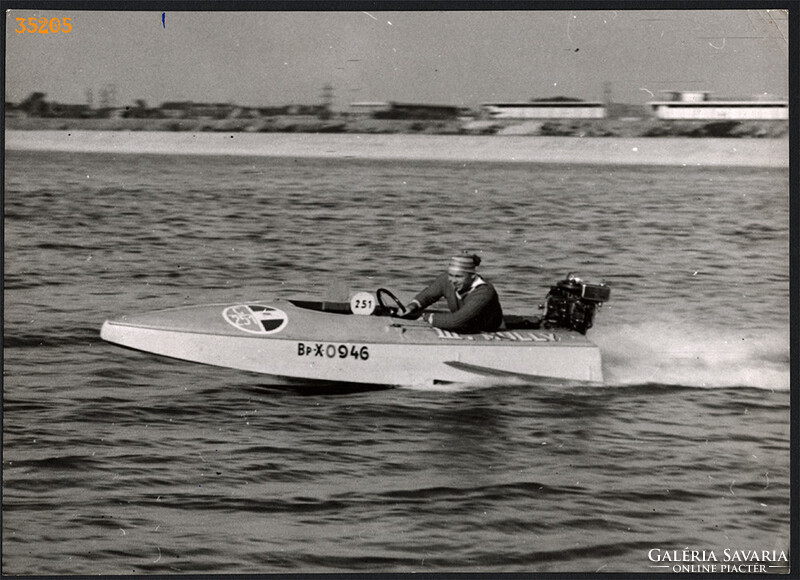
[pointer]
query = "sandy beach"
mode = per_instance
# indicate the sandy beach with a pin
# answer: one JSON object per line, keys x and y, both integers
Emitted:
{"x": 678, "y": 151}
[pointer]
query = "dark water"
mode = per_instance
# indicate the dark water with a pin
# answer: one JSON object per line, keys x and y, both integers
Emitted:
{"x": 116, "y": 462}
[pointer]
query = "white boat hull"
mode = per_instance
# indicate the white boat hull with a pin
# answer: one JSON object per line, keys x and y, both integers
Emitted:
{"x": 304, "y": 344}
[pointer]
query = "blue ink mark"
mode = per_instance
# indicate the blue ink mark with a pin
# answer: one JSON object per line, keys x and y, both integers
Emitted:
{"x": 163, "y": 18}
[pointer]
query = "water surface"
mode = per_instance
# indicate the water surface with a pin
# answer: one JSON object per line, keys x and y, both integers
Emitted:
{"x": 117, "y": 462}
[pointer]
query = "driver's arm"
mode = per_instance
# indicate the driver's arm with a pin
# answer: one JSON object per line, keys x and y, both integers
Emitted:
{"x": 431, "y": 294}
{"x": 469, "y": 314}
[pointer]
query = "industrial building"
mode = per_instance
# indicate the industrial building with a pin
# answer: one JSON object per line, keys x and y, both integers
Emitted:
{"x": 392, "y": 110}
{"x": 696, "y": 106}
{"x": 192, "y": 110}
{"x": 546, "y": 109}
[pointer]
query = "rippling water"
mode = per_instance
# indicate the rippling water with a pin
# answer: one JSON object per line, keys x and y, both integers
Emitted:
{"x": 116, "y": 462}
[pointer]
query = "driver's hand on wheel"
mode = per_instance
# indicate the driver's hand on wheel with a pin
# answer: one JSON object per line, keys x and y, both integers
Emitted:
{"x": 413, "y": 311}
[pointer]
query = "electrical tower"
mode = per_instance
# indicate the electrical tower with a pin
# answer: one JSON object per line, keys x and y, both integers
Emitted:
{"x": 327, "y": 102}
{"x": 108, "y": 96}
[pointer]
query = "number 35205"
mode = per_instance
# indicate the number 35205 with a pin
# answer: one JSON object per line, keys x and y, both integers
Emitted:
{"x": 44, "y": 25}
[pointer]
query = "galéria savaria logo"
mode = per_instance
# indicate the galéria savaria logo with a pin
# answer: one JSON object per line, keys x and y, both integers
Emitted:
{"x": 727, "y": 560}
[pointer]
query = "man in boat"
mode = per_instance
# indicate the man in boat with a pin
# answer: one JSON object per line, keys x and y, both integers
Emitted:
{"x": 473, "y": 302}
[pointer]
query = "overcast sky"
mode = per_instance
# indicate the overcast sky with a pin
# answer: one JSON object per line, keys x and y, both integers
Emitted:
{"x": 458, "y": 58}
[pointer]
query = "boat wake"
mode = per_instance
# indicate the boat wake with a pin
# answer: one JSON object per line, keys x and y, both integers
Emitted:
{"x": 679, "y": 354}
{"x": 674, "y": 353}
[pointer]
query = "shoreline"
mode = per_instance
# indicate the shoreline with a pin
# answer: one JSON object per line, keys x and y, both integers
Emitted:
{"x": 610, "y": 127}
{"x": 663, "y": 151}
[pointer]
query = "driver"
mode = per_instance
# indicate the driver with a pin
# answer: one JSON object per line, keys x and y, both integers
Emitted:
{"x": 473, "y": 302}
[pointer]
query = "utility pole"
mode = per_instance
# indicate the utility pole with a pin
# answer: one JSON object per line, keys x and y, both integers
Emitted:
{"x": 607, "y": 98}
{"x": 108, "y": 96}
{"x": 327, "y": 102}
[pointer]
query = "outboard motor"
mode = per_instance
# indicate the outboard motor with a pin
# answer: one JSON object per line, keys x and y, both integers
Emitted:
{"x": 571, "y": 304}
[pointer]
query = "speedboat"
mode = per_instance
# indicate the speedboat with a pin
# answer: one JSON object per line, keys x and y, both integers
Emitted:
{"x": 365, "y": 341}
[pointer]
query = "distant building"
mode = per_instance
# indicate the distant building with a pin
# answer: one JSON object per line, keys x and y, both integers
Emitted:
{"x": 271, "y": 111}
{"x": 369, "y": 108}
{"x": 419, "y": 111}
{"x": 696, "y": 106}
{"x": 560, "y": 108}
{"x": 139, "y": 110}
{"x": 176, "y": 109}
{"x": 245, "y": 113}
{"x": 35, "y": 105}
{"x": 12, "y": 110}
{"x": 192, "y": 110}
{"x": 62, "y": 110}
{"x": 416, "y": 111}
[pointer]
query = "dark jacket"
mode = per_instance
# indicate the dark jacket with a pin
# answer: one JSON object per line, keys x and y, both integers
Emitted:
{"x": 478, "y": 311}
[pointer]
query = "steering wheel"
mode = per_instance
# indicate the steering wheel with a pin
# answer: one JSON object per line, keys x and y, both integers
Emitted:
{"x": 380, "y": 293}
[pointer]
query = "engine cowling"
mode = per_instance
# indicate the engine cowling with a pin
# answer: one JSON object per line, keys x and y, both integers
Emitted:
{"x": 572, "y": 304}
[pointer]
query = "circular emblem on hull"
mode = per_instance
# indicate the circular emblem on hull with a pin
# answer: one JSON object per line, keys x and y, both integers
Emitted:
{"x": 255, "y": 318}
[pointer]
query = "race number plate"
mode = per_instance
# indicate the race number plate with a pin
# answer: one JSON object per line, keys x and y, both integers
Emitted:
{"x": 363, "y": 303}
